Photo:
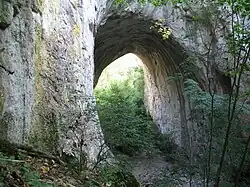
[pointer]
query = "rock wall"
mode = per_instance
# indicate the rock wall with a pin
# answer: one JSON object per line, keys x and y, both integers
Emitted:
{"x": 46, "y": 72}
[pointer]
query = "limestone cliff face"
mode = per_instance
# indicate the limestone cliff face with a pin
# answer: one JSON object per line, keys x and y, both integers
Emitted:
{"x": 47, "y": 68}
{"x": 53, "y": 52}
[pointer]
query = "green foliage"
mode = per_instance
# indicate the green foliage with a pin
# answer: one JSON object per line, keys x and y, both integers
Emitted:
{"x": 200, "y": 105}
{"x": 240, "y": 6}
{"x": 126, "y": 126}
{"x": 166, "y": 144}
{"x": 161, "y": 29}
{"x": 33, "y": 177}
{"x": 20, "y": 170}
{"x": 115, "y": 176}
{"x": 128, "y": 130}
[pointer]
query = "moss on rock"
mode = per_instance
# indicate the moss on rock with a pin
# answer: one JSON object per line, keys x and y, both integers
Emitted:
{"x": 44, "y": 130}
{"x": 6, "y": 14}
{"x": 45, "y": 133}
{"x": 5, "y": 120}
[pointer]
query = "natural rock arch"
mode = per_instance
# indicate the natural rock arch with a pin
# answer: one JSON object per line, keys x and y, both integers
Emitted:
{"x": 161, "y": 58}
{"x": 128, "y": 30}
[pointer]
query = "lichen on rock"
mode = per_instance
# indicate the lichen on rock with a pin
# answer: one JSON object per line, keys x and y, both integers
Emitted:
{"x": 37, "y": 6}
{"x": 44, "y": 129}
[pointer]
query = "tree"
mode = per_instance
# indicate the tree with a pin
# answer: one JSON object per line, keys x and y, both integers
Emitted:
{"x": 239, "y": 46}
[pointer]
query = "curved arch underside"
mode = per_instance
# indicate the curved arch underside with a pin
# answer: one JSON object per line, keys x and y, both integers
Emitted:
{"x": 161, "y": 58}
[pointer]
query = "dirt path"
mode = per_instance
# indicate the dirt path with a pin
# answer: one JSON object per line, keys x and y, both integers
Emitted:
{"x": 150, "y": 169}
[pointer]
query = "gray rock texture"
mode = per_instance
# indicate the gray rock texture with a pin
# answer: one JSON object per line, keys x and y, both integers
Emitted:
{"x": 47, "y": 76}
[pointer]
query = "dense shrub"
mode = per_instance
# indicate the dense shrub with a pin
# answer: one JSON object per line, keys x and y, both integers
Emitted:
{"x": 200, "y": 106}
{"x": 115, "y": 176}
{"x": 126, "y": 126}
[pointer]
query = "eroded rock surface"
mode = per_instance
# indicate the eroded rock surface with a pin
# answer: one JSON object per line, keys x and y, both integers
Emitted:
{"x": 48, "y": 100}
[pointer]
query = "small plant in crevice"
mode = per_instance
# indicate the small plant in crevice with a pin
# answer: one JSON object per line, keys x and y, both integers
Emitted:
{"x": 163, "y": 30}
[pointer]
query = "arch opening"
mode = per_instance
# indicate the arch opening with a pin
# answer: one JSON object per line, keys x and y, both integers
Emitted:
{"x": 118, "y": 69}
{"x": 161, "y": 59}
{"x": 127, "y": 127}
